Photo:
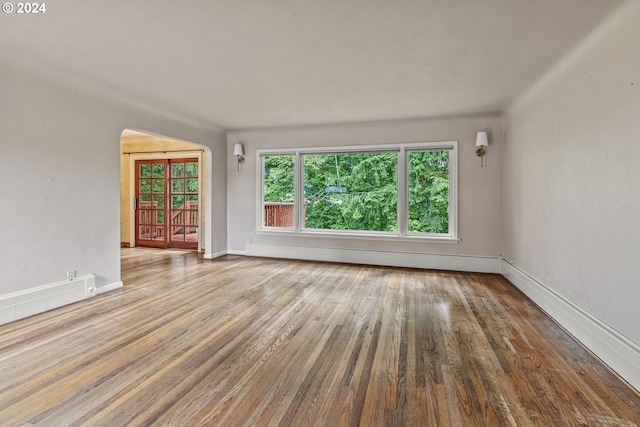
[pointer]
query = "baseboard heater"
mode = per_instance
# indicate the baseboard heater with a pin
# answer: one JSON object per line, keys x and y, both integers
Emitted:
{"x": 21, "y": 304}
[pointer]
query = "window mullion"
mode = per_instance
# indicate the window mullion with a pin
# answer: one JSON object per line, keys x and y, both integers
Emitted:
{"x": 260, "y": 185}
{"x": 403, "y": 206}
{"x": 453, "y": 191}
{"x": 298, "y": 191}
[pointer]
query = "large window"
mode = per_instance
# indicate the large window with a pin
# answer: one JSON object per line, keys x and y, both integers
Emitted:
{"x": 401, "y": 191}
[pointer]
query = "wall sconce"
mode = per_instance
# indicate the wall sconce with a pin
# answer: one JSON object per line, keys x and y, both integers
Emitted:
{"x": 481, "y": 141}
{"x": 239, "y": 153}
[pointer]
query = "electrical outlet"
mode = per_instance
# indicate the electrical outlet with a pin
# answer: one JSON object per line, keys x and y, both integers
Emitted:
{"x": 71, "y": 275}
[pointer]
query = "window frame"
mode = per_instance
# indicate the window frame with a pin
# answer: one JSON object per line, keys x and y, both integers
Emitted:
{"x": 402, "y": 170}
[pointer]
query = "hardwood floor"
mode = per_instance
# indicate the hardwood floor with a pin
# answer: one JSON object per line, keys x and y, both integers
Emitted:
{"x": 250, "y": 341}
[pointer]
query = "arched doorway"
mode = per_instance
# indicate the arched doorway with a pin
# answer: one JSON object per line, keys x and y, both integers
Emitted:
{"x": 162, "y": 192}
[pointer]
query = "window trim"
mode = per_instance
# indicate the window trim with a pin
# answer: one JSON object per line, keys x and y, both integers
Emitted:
{"x": 402, "y": 232}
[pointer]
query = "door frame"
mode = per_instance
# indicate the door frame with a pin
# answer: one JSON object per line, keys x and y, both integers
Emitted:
{"x": 159, "y": 156}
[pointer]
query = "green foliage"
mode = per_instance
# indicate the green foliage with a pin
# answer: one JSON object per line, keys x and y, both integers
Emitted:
{"x": 278, "y": 178}
{"x": 192, "y": 185}
{"x": 429, "y": 191}
{"x": 191, "y": 169}
{"x": 351, "y": 191}
{"x": 180, "y": 170}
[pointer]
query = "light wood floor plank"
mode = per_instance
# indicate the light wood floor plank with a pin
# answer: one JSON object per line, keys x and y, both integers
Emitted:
{"x": 248, "y": 341}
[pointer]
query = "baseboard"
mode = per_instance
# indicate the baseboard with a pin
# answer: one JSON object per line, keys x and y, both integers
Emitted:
{"x": 21, "y": 304}
{"x": 231, "y": 252}
{"x": 214, "y": 255}
{"x": 618, "y": 352}
{"x": 109, "y": 287}
{"x": 387, "y": 258}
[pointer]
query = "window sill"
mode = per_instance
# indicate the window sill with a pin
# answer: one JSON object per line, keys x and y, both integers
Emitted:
{"x": 358, "y": 235}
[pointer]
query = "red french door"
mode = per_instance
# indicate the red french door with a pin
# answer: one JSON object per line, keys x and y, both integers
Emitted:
{"x": 167, "y": 203}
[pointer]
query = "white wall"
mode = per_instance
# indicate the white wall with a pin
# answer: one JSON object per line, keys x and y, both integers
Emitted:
{"x": 59, "y": 178}
{"x": 480, "y": 189}
{"x": 572, "y": 176}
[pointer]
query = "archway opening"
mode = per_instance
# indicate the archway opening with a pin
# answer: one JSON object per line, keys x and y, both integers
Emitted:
{"x": 163, "y": 192}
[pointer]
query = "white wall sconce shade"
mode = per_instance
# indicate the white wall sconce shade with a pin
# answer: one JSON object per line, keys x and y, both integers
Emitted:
{"x": 238, "y": 151}
{"x": 482, "y": 140}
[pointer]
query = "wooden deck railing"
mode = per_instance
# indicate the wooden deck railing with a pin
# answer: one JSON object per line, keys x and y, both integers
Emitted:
{"x": 184, "y": 216}
{"x": 149, "y": 229}
{"x": 280, "y": 214}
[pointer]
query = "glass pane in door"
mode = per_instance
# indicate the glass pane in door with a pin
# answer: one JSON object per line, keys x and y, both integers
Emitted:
{"x": 184, "y": 220}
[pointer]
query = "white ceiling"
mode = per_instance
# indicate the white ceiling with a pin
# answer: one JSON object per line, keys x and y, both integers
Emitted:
{"x": 257, "y": 63}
